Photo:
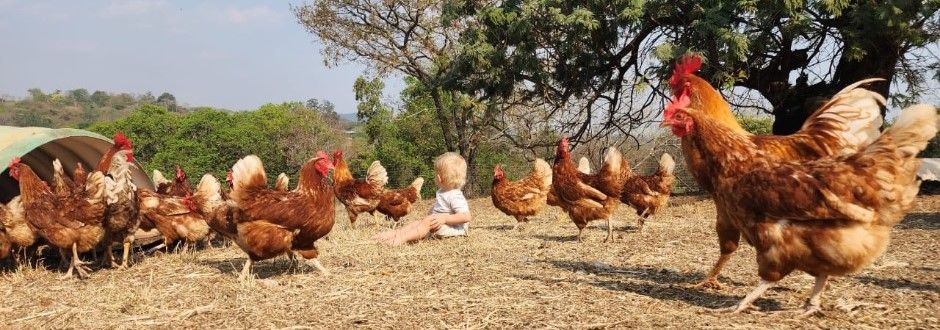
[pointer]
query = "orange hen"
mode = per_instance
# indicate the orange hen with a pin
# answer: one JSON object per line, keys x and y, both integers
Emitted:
{"x": 71, "y": 222}
{"x": 648, "y": 193}
{"x": 524, "y": 198}
{"x": 358, "y": 195}
{"x": 588, "y": 197}
{"x": 848, "y": 122}
{"x": 281, "y": 222}
{"x": 826, "y": 217}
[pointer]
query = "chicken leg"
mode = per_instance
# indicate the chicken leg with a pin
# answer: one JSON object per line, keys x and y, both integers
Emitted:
{"x": 728, "y": 239}
{"x": 610, "y": 232}
{"x": 109, "y": 256}
{"x": 812, "y": 305}
{"x": 77, "y": 264}
{"x": 748, "y": 302}
{"x": 246, "y": 271}
{"x": 126, "y": 255}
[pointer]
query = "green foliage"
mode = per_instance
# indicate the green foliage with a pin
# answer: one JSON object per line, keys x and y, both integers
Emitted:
{"x": 208, "y": 140}
{"x": 756, "y": 125}
{"x": 408, "y": 140}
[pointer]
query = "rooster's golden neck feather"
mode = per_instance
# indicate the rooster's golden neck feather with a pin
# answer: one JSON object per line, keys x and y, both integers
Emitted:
{"x": 705, "y": 98}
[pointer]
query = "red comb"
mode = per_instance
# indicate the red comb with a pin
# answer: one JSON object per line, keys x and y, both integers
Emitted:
{"x": 687, "y": 65}
{"x": 338, "y": 153}
{"x": 321, "y": 154}
{"x": 130, "y": 157}
{"x": 14, "y": 161}
{"x": 228, "y": 176}
{"x": 121, "y": 141}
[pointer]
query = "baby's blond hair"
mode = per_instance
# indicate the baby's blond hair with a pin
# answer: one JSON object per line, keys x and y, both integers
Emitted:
{"x": 452, "y": 170}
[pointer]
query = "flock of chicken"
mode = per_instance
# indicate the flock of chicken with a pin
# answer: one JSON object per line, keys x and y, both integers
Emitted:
{"x": 84, "y": 211}
{"x": 822, "y": 200}
{"x": 585, "y": 196}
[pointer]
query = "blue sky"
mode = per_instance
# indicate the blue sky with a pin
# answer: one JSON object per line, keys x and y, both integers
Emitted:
{"x": 230, "y": 54}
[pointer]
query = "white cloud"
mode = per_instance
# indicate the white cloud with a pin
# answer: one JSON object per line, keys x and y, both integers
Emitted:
{"x": 119, "y": 8}
{"x": 248, "y": 15}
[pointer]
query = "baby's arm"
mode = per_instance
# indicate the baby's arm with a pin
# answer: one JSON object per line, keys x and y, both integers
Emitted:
{"x": 450, "y": 219}
{"x": 458, "y": 204}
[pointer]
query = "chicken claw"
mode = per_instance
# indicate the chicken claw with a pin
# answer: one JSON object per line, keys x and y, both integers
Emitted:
{"x": 709, "y": 283}
{"x": 315, "y": 263}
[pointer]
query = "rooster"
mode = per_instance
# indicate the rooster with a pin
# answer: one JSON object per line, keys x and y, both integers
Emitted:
{"x": 121, "y": 220}
{"x": 588, "y": 197}
{"x": 281, "y": 222}
{"x": 121, "y": 142}
{"x": 845, "y": 124}
{"x": 358, "y": 195}
{"x": 524, "y": 198}
{"x": 647, "y": 193}
{"x": 396, "y": 204}
{"x": 70, "y": 222}
{"x": 827, "y": 217}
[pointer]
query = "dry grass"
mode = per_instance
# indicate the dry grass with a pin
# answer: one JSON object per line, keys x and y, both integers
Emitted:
{"x": 495, "y": 278}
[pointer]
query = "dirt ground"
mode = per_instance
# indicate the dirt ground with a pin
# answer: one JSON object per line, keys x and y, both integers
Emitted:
{"x": 496, "y": 278}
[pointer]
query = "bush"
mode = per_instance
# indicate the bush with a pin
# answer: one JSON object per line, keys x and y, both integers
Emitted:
{"x": 208, "y": 140}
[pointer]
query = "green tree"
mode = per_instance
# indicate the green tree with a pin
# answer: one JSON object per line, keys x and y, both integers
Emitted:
{"x": 168, "y": 100}
{"x": 600, "y": 64}
{"x": 100, "y": 98}
{"x": 79, "y": 95}
{"x": 408, "y": 37}
{"x": 36, "y": 94}
{"x": 756, "y": 125}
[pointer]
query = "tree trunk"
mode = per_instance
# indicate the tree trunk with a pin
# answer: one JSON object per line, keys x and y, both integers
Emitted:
{"x": 471, "y": 189}
{"x": 882, "y": 53}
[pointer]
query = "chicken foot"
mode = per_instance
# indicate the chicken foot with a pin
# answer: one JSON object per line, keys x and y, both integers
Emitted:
{"x": 711, "y": 282}
{"x": 246, "y": 271}
{"x": 747, "y": 303}
{"x": 315, "y": 263}
{"x": 77, "y": 264}
{"x": 812, "y": 305}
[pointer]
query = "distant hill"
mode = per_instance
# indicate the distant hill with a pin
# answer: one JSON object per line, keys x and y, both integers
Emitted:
{"x": 75, "y": 108}
{"x": 349, "y": 117}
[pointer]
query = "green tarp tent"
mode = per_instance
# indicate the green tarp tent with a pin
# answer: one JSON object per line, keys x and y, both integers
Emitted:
{"x": 39, "y": 146}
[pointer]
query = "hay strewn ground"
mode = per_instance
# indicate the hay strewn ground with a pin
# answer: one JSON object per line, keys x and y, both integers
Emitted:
{"x": 496, "y": 278}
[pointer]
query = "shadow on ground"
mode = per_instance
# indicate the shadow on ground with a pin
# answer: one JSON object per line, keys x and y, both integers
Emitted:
{"x": 657, "y": 283}
{"x": 920, "y": 220}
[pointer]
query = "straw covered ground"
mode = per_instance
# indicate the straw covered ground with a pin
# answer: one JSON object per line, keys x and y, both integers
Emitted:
{"x": 496, "y": 278}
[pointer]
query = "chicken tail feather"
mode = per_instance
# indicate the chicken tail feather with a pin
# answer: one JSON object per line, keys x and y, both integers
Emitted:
{"x": 377, "y": 176}
{"x": 208, "y": 193}
{"x": 667, "y": 164}
{"x": 894, "y": 154}
{"x": 248, "y": 178}
{"x": 584, "y": 165}
{"x": 544, "y": 171}
{"x": 417, "y": 184}
{"x": 282, "y": 182}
